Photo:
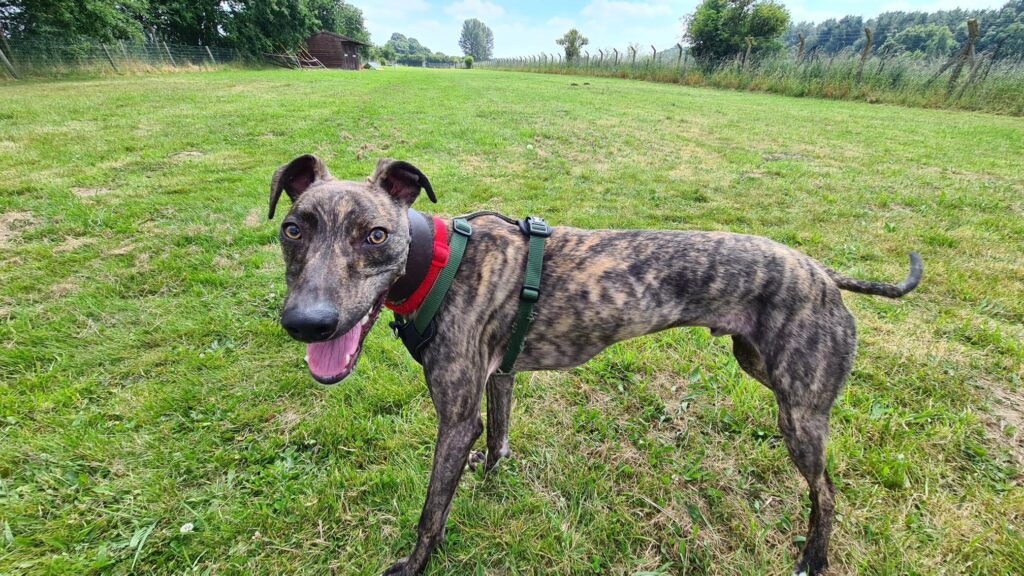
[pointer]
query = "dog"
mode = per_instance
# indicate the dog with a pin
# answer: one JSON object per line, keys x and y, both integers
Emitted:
{"x": 346, "y": 244}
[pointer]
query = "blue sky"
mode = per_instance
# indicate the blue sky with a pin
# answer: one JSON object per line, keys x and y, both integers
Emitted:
{"x": 531, "y": 26}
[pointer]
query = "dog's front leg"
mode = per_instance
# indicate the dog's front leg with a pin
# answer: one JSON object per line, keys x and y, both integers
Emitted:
{"x": 459, "y": 425}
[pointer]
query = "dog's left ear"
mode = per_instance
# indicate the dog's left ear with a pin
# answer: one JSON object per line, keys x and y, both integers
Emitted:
{"x": 401, "y": 180}
{"x": 295, "y": 178}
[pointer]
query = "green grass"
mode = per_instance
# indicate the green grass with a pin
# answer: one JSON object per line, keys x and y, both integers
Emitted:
{"x": 145, "y": 383}
{"x": 996, "y": 87}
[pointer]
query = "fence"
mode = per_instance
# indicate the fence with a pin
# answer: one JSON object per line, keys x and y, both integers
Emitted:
{"x": 967, "y": 79}
{"x": 57, "y": 59}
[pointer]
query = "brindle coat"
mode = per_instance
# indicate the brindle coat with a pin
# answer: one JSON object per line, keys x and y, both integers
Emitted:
{"x": 782, "y": 309}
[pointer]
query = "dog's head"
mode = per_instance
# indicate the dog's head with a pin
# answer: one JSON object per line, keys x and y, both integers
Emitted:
{"x": 345, "y": 244}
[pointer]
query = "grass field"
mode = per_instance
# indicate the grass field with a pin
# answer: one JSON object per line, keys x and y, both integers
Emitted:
{"x": 145, "y": 384}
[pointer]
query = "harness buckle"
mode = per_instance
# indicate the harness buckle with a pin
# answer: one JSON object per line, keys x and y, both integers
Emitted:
{"x": 535, "y": 226}
{"x": 462, "y": 227}
{"x": 529, "y": 294}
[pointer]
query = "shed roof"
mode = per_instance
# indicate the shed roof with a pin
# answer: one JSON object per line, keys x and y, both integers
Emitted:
{"x": 341, "y": 37}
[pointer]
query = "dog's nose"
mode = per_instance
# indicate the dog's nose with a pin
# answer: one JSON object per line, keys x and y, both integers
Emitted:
{"x": 310, "y": 324}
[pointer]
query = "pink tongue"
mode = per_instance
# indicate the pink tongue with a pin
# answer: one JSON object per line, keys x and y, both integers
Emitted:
{"x": 332, "y": 358}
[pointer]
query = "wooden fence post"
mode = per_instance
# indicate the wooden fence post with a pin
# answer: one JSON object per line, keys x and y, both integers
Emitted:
{"x": 679, "y": 58}
{"x": 746, "y": 57}
{"x": 800, "y": 54}
{"x": 109, "y": 59}
{"x": 210, "y": 54}
{"x": 616, "y": 56}
{"x": 864, "y": 55}
{"x": 633, "y": 63}
{"x": 7, "y": 64}
{"x": 958, "y": 60}
{"x": 168, "y": 50}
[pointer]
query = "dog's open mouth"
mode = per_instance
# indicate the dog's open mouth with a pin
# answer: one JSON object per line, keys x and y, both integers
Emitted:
{"x": 331, "y": 361}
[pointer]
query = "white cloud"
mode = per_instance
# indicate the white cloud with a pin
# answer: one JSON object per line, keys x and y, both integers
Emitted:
{"x": 481, "y": 9}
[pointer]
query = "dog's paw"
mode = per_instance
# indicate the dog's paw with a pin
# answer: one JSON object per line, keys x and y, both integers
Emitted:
{"x": 476, "y": 459}
{"x": 400, "y": 568}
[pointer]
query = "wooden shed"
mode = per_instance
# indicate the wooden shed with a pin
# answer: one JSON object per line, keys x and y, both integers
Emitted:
{"x": 335, "y": 50}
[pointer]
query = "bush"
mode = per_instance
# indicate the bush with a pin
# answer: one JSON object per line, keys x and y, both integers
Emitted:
{"x": 469, "y": 61}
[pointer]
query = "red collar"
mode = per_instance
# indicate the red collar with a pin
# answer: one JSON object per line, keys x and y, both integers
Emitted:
{"x": 438, "y": 260}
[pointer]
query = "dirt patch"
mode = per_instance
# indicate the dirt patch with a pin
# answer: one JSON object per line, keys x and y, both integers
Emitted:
{"x": 255, "y": 218}
{"x": 188, "y": 154}
{"x": 780, "y": 156}
{"x": 1007, "y": 425}
{"x": 122, "y": 250}
{"x": 90, "y": 192}
{"x": 63, "y": 289}
{"x": 12, "y": 224}
{"x": 71, "y": 244}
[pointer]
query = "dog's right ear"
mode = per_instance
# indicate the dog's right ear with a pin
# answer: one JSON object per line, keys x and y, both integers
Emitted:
{"x": 295, "y": 178}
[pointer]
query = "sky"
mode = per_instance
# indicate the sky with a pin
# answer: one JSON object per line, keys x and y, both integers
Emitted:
{"x": 531, "y": 26}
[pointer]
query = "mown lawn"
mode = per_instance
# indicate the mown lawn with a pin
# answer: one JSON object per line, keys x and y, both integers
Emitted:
{"x": 145, "y": 383}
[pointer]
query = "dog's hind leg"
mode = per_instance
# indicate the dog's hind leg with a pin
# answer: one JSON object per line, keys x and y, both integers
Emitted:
{"x": 807, "y": 366}
{"x": 499, "y": 409}
{"x": 805, "y": 435}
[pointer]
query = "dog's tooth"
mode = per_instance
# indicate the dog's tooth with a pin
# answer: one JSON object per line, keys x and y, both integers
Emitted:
{"x": 365, "y": 320}
{"x": 347, "y": 358}
{"x": 306, "y": 359}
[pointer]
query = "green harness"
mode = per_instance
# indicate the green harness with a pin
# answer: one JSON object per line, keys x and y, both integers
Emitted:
{"x": 418, "y": 333}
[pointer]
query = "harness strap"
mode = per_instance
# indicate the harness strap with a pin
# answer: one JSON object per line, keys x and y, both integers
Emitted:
{"x": 538, "y": 231}
{"x": 457, "y": 249}
{"x": 418, "y": 333}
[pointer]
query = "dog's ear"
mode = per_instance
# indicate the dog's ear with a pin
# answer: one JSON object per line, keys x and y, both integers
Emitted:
{"x": 401, "y": 180}
{"x": 295, "y": 178}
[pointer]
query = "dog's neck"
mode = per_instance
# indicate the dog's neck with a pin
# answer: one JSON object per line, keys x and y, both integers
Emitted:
{"x": 408, "y": 292}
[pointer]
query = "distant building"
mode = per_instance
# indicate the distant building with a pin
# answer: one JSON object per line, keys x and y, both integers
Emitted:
{"x": 335, "y": 50}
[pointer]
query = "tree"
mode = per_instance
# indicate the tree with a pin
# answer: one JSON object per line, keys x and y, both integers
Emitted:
{"x": 573, "y": 42}
{"x": 476, "y": 40}
{"x": 926, "y": 39}
{"x": 187, "y": 22}
{"x": 719, "y": 29}
{"x": 71, "y": 20}
{"x": 258, "y": 26}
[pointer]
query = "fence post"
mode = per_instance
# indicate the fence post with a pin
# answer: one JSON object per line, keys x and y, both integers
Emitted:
{"x": 679, "y": 59}
{"x": 210, "y": 54}
{"x": 654, "y": 57}
{"x": 7, "y": 64}
{"x": 600, "y": 60}
{"x": 109, "y": 59}
{"x": 958, "y": 60}
{"x": 800, "y": 54}
{"x": 616, "y": 56}
{"x": 168, "y": 50}
{"x": 4, "y": 45}
{"x": 864, "y": 55}
{"x": 746, "y": 56}
{"x": 633, "y": 63}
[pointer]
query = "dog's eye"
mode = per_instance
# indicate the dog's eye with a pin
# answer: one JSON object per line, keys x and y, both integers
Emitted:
{"x": 292, "y": 232}
{"x": 377, "y": 236}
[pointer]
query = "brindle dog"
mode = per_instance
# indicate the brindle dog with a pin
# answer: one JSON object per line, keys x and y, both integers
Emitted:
{"x": 346, "y": 243}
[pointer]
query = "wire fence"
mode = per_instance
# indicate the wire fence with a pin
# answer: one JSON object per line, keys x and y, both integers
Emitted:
{"x": 21, "y": 59}
{"x": 966, "y": 79}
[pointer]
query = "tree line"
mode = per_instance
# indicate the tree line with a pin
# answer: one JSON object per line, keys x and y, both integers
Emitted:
{"x": 251, "y": 26}
{"x": 934, "y": 34}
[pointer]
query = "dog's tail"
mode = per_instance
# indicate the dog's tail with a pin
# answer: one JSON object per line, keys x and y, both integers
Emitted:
{"x": 882, "y": 288}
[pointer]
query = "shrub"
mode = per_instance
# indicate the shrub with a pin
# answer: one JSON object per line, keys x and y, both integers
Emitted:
{"x": 469, "y": 61}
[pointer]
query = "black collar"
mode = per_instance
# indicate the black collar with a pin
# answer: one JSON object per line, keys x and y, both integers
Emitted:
{"x": 421, "y": 252}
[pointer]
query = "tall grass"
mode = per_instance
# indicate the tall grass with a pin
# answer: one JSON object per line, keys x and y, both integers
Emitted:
{"x": 988, "y": 86}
